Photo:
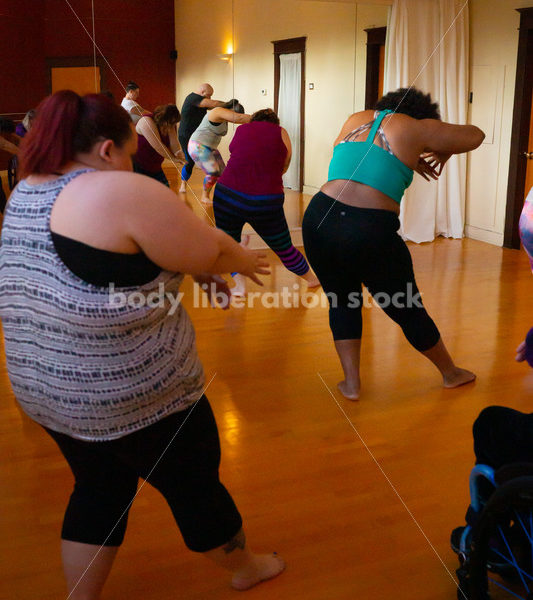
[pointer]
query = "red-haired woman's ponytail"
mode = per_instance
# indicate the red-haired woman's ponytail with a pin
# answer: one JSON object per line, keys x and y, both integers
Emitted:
{"x": 49, "y": 143}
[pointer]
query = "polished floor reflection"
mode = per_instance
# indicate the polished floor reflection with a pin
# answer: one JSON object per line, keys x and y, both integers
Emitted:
{"x": 299, "y": 460}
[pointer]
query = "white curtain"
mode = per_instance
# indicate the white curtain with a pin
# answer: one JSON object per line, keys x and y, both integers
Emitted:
{"x": 426, "y": 50}
{"x": 290, "y": 86}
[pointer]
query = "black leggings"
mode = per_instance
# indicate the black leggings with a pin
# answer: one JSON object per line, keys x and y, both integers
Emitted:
{"x": 106, "y": 476}
{"x": 502, "y": 436}
{"x": 347, "y": 246}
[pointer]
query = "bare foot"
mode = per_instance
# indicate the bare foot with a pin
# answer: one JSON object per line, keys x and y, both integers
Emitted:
{"x": 245, "y": 240}
{"x": 266, "y": 566}
{"x": 351, "y": 392}
{"x": 458, "y": 377}
{"x": 311, "y": 279}
{"x": 206, "y": 200}
{"x": 183, "y": 188}
{"x": 313, "y": 282}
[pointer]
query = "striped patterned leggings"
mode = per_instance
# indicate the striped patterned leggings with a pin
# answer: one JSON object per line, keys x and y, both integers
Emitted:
{"x": 265, "y": 214}
{"x": 526, "y": 226}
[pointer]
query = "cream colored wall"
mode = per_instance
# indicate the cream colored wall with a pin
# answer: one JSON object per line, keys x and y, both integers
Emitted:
{"x": 335, "y": 60}
{"x": 494, "y": 46}
{"x": 335, "y": 63}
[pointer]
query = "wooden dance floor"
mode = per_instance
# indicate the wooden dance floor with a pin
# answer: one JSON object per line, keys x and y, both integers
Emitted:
{"x": 358, "y": 497}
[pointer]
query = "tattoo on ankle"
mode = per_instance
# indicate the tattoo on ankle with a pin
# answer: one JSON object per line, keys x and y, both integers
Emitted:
{"x": 238, "y": 541}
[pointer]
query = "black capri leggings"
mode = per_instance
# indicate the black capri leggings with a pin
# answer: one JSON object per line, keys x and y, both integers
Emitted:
{"x": 106, "y": 476}
{"x": 348, "y": 246}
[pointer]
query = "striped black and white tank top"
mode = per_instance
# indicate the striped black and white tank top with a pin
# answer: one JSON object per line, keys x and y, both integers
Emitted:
{"x": 81, "y": 361}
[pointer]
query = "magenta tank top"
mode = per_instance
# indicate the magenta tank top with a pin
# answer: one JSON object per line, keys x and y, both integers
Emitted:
{"x": 146, "y": 157}
{"x": 257, "y": 158}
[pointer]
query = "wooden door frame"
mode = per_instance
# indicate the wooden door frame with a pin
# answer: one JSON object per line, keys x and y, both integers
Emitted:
{"x": 375, "y": 39}
{"x": 520, "y": 131}
{"x": 74, "y": 61}
{"x": 292, "y": 46}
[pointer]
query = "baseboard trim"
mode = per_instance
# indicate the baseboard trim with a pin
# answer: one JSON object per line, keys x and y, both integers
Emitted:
{"x": 484, "y": 235}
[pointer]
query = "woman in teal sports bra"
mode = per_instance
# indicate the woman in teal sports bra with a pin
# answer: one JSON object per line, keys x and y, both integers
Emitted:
{"x": 350, "y": 227}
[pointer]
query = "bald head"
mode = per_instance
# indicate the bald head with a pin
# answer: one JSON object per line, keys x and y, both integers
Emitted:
{"x": 205, "y": 90}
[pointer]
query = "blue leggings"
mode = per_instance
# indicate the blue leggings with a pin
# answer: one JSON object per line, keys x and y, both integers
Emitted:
{"x": 187, "y": 168}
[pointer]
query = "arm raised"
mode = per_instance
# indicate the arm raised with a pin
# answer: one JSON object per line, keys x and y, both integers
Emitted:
{"x": 208, "y": 103}
{"x": 440, "y": 141}
{"x": 446, "y": 138}
{"x": 219, "y": 115}
{"x": 174, "y": 238}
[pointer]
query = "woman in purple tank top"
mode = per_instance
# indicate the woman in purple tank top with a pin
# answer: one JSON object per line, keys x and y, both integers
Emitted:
{"x": 250, "y": 190}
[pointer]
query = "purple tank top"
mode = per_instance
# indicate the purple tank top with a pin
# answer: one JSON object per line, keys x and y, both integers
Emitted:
{"x": 257, "y": 158}
{"x": 146, "y": 157}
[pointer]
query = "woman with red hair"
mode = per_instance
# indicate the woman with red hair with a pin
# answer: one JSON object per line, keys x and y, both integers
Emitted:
{"x": 111, "y": 375}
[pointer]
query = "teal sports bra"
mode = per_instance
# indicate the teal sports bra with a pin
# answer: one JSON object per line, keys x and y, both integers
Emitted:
{"x": 365, "y": 162}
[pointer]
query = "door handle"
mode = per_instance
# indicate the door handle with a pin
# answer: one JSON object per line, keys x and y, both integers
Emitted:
{"x": 528, "y": 155}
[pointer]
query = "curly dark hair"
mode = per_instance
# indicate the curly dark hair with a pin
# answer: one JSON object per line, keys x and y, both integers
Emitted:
{"x": 168, "y": 114}
{"x": 410, "y": 101}
{"x": 266, "y": 114}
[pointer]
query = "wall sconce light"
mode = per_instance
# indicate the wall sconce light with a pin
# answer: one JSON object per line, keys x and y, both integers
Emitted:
{"x": 225, "y": 57}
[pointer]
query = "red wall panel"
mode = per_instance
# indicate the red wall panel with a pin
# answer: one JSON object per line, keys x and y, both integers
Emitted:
{"x": 135, "y": 37}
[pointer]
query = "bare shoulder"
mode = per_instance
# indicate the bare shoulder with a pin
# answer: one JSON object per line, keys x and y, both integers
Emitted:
{"x": 405, "y": 130}
{"x": 401, "y": 121}
{"x": 111, "y": 191}
{"x": 216, "y": 114}
{"x": 359, "y": 118}
{"x": 353, "y": 122}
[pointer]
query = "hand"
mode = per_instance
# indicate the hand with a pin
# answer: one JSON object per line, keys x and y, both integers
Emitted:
{"x": 521, "y": 352}
{"x": 216, "y": 288}
{"x": 179, "y": 158}
{"x": 258, "y": 264}
{"x": 436, "y": 160}
{"x": 424, "y": 169}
